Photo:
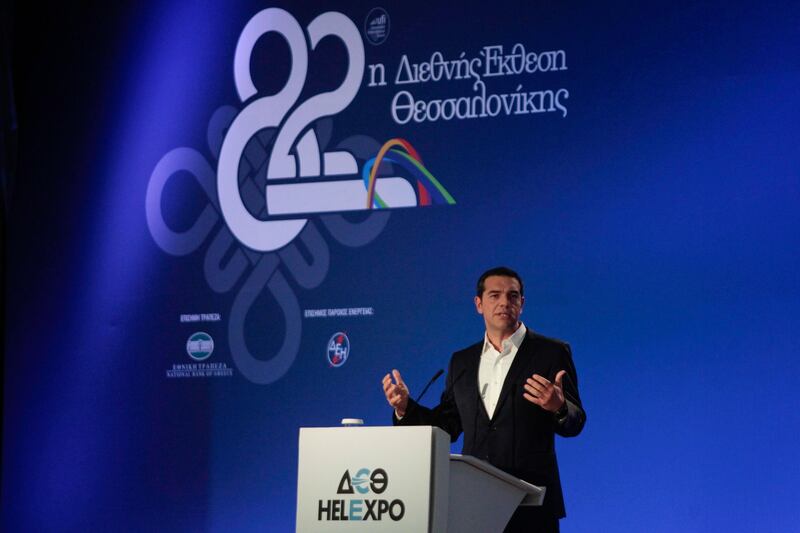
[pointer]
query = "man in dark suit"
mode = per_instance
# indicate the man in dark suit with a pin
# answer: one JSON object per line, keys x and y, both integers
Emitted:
{"x": 510, "y": 394}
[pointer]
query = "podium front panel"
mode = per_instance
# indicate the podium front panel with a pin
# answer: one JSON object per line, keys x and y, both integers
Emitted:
{"x": 376, "y": 479}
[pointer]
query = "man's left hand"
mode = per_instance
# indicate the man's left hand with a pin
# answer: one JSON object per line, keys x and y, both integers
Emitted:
{"x": 544, "y": 393}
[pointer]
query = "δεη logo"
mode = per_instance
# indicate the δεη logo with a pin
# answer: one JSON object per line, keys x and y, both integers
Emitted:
{"x": 365, "y": 481}
{"x": 338, "y": 349}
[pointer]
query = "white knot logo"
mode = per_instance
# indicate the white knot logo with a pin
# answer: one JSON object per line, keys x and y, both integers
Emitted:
{"x": 277, "y": 165}
{"x": 285, "y": 196}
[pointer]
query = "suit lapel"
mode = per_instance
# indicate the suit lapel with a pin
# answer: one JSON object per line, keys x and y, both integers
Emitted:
{"x": 524, "y": 354}
{"x": 471, "y": 378}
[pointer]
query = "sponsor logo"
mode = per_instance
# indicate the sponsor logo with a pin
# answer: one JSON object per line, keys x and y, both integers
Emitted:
{"x": 200, "y": 346}
{"x": 338, "y": 349}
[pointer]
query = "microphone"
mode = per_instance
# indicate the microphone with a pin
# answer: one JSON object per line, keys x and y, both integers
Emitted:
{"x": 434, "y": 378}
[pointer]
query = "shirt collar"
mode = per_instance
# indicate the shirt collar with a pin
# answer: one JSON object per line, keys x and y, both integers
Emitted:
{"x": 516, "y": 339}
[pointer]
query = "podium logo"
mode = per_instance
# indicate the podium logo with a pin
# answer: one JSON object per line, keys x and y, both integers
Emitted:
{"x": 363, "y": 482}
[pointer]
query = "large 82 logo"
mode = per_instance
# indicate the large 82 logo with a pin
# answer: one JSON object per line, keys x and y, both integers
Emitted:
{"x": 307, "y": 196}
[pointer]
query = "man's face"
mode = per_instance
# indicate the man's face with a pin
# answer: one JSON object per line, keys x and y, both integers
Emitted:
{"x": 500, "y": 304}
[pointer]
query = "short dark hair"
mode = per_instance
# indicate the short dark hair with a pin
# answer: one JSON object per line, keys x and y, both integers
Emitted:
{"x": 499, "y": 271}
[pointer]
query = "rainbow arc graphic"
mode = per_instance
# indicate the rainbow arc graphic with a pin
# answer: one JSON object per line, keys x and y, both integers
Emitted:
{"x": 400, "y": 152}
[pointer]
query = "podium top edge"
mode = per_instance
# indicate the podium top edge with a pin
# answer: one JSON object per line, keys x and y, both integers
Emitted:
{"x": 500, "y": 474}
{"x": 409, "y": 429}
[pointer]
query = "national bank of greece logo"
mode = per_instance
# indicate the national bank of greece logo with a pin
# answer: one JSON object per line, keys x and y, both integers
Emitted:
{"x": 200, "y": 346}
{"x": 278, "y": 178}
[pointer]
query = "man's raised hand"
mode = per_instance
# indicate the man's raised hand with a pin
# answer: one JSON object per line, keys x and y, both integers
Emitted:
{"x": 547, "y": 395}
{"x": 396, "y": 392}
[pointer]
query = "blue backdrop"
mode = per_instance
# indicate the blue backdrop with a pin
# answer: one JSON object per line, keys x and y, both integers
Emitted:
{"x": 638, "y": 165}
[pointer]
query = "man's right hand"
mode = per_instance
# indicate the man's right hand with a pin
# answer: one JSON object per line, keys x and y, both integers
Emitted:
{"x": 396, "y": 392}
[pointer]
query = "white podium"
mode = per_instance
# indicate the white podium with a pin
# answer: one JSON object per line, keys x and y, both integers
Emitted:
{"x": 400, "y": 479}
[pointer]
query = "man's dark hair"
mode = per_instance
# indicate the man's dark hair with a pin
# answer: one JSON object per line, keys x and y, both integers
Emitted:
{"x": 499, "y": 271}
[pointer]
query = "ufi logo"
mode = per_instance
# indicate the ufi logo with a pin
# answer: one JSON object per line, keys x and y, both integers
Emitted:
{"x": 376, "y": 26}
{"x": 361, "y": 509}
{"x": 338, "y": 349}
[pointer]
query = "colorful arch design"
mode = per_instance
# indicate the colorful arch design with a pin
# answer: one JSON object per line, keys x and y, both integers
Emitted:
{"x": 429, "y": 190}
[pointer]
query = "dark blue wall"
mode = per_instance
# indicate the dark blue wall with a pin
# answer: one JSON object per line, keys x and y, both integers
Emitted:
{"x": 654, "y": 220}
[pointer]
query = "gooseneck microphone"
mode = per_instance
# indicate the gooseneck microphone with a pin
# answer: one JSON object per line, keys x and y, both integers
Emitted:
{"x": 434, "y": 378}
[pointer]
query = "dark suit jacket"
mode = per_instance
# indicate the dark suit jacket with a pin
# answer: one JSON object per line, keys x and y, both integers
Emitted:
{"x": 520, "y": 436}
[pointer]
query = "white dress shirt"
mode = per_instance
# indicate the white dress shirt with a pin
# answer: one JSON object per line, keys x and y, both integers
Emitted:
{"x": 494, "y": 367}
